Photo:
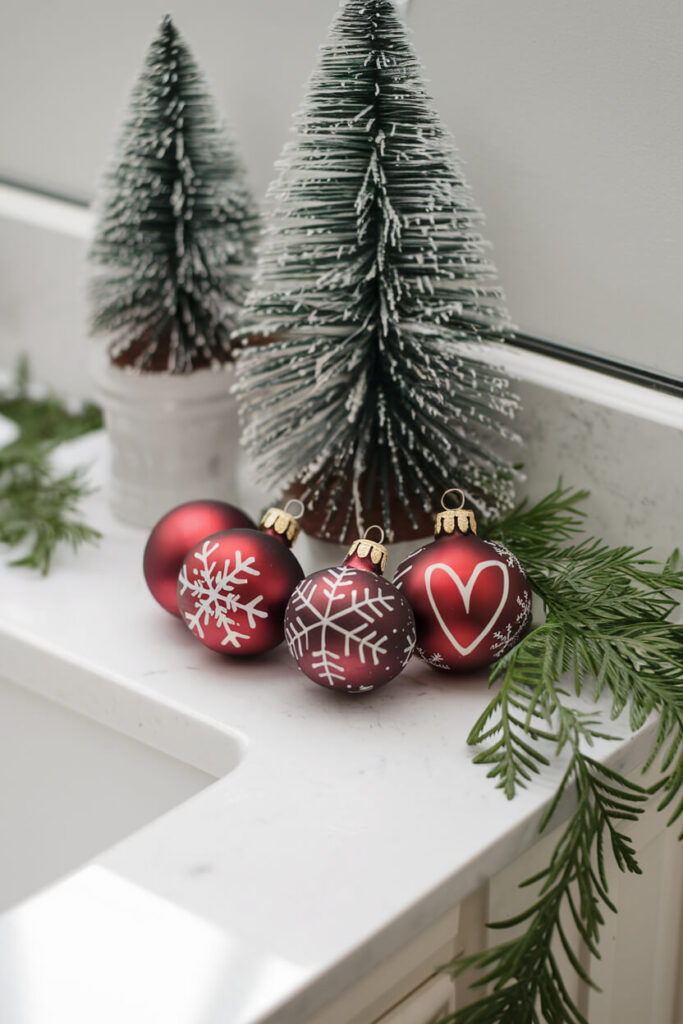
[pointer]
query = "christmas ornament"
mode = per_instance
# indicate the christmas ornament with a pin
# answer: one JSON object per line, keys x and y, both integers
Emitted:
{"x": 179, "y": 530}
{"x": 347, "y": 627}
{"x": 234, "y": 586}
{"x": 471, "y": 598}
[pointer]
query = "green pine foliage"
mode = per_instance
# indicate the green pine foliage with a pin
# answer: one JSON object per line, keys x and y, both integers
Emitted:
{"x": 373, "y": 293}
{"x": 176, "y": 225}
{"x": 607, "y": 629}
{"x": 38, "y": 506}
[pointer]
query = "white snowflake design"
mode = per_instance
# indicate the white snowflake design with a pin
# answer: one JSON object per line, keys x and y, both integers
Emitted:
{"x": 435, "y": 660}
{"x": 504, "y": 639}
{"x": 364, "y": 636}
{"x": 215, "y": 595}
{"x": 505, "y": 554}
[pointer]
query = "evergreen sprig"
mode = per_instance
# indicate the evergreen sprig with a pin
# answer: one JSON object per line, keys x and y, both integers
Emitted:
{"x": 606, "y": 622}
{"x": 526, "y": 980}
{"x": 39, "y": 507}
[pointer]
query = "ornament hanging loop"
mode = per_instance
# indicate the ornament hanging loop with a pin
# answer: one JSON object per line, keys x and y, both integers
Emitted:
{"x": 454, "y": 519}
{"x": 299, "y": 505}
{"x": 375, "y": 527}
{"x": 369, "y": 554}
{"x": 284, "y": 522}
{"x": 453, "y": 508}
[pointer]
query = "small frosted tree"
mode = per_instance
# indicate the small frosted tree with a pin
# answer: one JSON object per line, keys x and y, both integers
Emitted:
{"x": 362, "y": 390}
{"x": 176, "y": 226}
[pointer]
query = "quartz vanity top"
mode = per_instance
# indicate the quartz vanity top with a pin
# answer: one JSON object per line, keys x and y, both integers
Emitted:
{"x": 348, "y": 826}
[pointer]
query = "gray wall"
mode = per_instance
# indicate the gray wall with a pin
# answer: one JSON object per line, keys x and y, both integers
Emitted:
{"x": 567, "y": 113}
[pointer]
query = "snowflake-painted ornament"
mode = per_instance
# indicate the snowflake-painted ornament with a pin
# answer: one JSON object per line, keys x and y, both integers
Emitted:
{"x": 471, "y": 597}
{"x": 349, "y": 628}
{"x": 179, "y": 530}
{"x": 234, "y": 586}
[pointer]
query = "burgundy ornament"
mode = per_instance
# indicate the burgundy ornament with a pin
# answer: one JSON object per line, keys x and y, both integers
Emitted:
{"x": 174, "y": 535}
{"x": 234, "y": 586}
{"x": 471, "y": 597}
{"x": 349, "y": 628}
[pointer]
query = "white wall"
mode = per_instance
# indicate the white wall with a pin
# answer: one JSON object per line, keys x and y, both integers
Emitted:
{"x": 567, "y": 113}
{"x": 68, "y": 66}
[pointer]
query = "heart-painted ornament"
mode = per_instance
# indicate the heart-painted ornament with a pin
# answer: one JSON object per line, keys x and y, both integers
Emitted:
{"x": 470, "y": 597}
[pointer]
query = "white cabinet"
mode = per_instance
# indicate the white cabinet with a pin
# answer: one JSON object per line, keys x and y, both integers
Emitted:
{"x": 401, "y": 978}
{"x": 430, "y": 1003}
{"x": 641, "y": 958}
{"x": 641, "y": 963}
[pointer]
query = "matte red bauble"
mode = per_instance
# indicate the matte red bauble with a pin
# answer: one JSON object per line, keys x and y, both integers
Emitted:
{"x": 349, "y": 628}
{"x": 471, "y": 597}
{"x": 174, "y": 535}
{"x": 234, "y": 586}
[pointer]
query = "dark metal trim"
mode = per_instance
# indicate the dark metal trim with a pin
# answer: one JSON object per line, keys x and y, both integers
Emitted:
{"x": 589, "y": 360}
{"x": 44, "y": 193}
{"x": 602, "y": 364}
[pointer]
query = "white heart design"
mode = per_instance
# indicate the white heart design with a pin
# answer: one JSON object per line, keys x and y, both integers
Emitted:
{"x": 466, "y": 592}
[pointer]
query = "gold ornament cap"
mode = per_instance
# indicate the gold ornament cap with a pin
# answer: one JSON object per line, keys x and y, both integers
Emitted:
{"x": 454, "y": 520}
{"x": 282, "y": 522}
{"x": 370, "y": 552}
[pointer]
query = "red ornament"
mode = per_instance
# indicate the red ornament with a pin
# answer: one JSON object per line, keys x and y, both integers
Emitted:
{"x": 471, "y": 597}
{"x": 234, "y": 586}
{"x": 347, "y": 627}
{"x": 174, "y": 535}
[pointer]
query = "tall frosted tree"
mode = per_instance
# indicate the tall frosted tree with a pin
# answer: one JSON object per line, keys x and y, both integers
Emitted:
{"x": 362, "y": 389}
{"x": 176, "y": 225}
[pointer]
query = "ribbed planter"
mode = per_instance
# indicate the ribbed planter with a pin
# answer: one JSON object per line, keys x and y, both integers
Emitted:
{"x": 173, "y": 438}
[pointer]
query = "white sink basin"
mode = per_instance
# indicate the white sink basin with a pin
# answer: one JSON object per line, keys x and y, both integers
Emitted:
{"x": 70, "y": 788}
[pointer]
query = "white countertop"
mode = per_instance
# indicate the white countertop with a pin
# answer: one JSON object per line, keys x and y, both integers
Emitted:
{"x": 349, "y": 825}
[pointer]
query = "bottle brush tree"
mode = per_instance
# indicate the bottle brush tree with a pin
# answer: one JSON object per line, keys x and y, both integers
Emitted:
{"x": 176, "y": 225}
{"x": 363, "y": 386}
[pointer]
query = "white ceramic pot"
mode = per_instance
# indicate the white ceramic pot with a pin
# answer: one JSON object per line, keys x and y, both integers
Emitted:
{"x": 174, "y": 438}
